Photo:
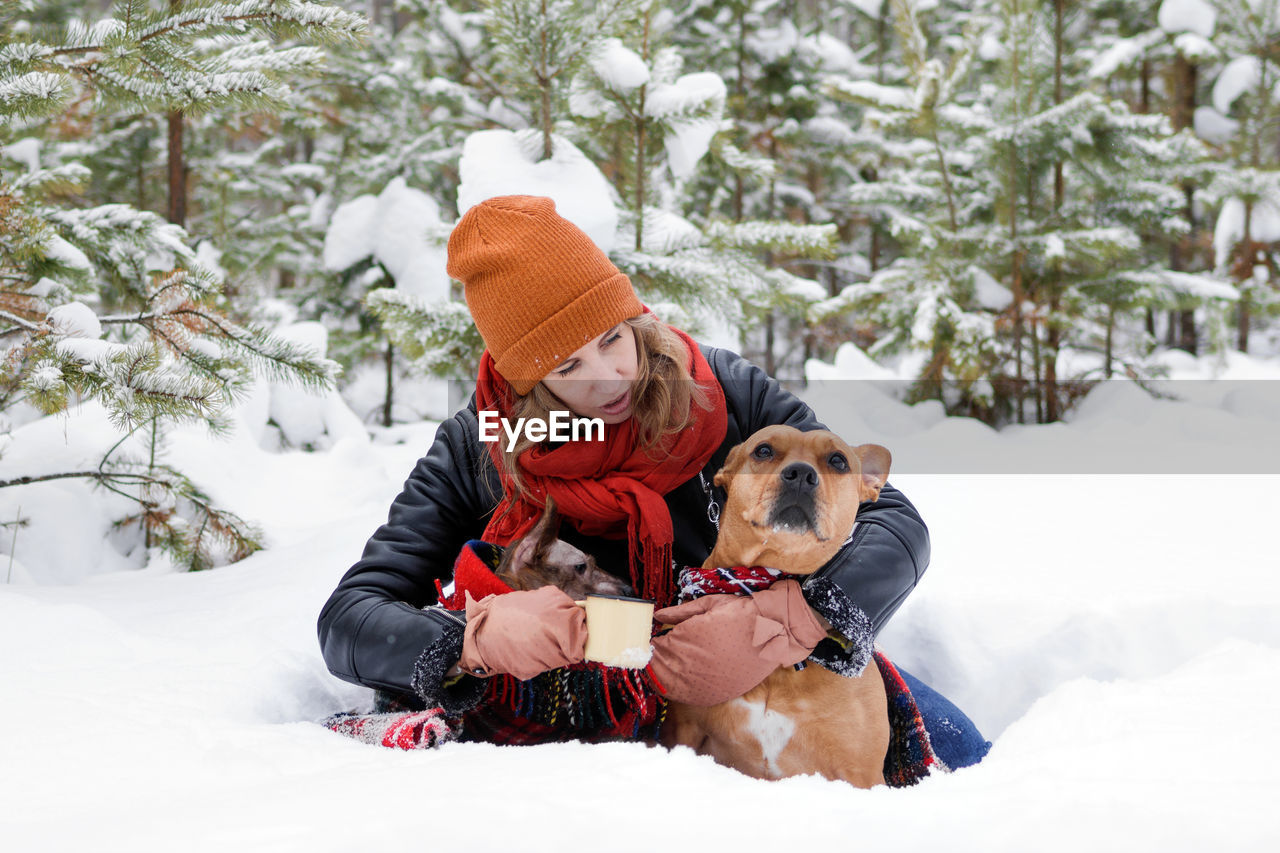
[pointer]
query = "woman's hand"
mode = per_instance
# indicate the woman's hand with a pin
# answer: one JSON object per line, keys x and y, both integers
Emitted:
{"x": 721, "y": 646}
{"x": 523, "y": 633}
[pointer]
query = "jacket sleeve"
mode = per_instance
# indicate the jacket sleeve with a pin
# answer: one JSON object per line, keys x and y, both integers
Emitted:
{"x": 872, "y": 574}
{"x": 374, "y": 629}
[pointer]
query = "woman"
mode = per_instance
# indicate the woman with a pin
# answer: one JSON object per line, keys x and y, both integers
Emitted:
{"x": 565, "y": 331}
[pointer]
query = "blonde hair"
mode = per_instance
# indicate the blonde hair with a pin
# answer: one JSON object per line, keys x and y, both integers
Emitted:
{"x": 662, "y": 395}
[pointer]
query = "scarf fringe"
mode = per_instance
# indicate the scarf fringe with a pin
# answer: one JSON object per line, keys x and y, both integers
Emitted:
{"x": 583, "y": 702}
{"x": 653, "y": 572}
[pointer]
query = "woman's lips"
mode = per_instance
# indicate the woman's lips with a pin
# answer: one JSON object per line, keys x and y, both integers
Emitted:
{"x": 618, "y": 405}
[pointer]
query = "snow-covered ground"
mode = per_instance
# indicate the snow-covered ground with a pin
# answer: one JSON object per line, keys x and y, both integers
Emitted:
{"x": 1116, "y": 635}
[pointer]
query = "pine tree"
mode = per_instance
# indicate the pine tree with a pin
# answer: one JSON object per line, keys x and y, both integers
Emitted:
{"x": 1019, "y": 208}
{"x": 1248, "y": 190}
{"x": 655, "y": 127}
{"x": 397, "y": 116}
{"x": 783, "y": 157}
{"x": 160, "y": 345}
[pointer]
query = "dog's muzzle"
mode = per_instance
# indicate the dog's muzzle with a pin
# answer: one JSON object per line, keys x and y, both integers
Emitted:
{"x": 794, "y": 508}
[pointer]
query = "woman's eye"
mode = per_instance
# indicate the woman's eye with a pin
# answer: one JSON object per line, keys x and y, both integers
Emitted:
{"x": 565, "y": 371}
{"x": 838, "y": 462}
{"x": 763, "y": 451}
{"x": 611, "y": 338}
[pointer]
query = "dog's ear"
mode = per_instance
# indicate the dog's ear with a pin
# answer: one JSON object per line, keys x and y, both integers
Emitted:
{"x": 544, "y": 533}
{"x": 875, "y": 469}
{"x": 531, "y": 547}
{"x": 731, "y": 465}
{"x": 521, "y": 557}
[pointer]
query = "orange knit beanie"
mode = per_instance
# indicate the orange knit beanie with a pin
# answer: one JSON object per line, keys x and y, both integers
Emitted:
{"x": 537, "y": 287}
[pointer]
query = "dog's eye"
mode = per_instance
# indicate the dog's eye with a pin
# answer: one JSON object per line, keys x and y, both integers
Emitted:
{"x": 763, "y": 451}
{"x": 838, "y": 462}
{"x": 581, "y": 568}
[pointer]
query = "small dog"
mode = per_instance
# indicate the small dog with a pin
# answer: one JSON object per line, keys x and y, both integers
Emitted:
{"x": 792, "y": 498}
{"x": 540, "y": 558}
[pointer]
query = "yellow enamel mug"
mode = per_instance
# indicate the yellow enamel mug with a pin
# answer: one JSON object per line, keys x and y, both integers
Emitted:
{"x": 618, "y": 630}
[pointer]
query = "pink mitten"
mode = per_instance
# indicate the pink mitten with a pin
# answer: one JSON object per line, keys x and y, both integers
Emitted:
{"x": 724, "y": 645}
{"x": 523, "y": 633}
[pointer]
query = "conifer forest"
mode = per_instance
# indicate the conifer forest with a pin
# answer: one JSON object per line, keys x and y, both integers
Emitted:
{"x": 1021, "y": 197}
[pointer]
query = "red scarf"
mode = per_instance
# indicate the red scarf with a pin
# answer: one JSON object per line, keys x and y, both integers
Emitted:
{"x": 607, "y": 487}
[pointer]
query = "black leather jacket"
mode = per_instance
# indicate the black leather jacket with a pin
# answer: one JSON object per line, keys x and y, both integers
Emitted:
{"x": 375, "y": 631}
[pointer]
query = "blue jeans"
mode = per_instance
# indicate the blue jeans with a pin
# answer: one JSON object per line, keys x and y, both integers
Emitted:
{"x": 955, "y": 739}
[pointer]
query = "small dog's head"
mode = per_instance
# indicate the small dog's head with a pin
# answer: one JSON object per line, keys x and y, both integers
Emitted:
{"x": 792, "y": 497}
{"x": 540, "y": 558}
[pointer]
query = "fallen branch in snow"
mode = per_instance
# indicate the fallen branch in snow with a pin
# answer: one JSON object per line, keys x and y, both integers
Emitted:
{"x": 191, "y": 540}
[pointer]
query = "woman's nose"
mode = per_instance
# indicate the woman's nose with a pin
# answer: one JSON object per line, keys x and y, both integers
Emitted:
{"x": 600, "y": 370}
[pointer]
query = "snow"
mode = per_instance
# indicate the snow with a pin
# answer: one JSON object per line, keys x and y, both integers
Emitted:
{"x": 1264, "y": 226}
{"x": 618, "y": 67}
{"x": 1054, "y": 247}
{"x": 833, "y": 55}
{"x": 1122, "y": 53}
{"x": 1117, "y": 429}
{"x": 209, "y": 257}
{"x": 304, "y": 418}
{"x": 1187, "y": 16}
{"x": 889, "y": 97}
{"x": 1213, "y": 127}
{"x": 25, "y": 151}
{"x": 689, "y": 139}
{"x": 1239, "y": 76}
{"x": 59, "y": 249}
{"x": 1198, "y": 286}
{"x": 76, "y": 320}
{"x": 89, "y": 350}
{"x": 500, "y": 162}
{"x": 1116, "y": 634}
{"x": 1196, "y": 48}
{"x": 850, "y": 363}
{"x": 870, "y": 8}
{"x": 989, "y": 292}
{"x": 771, "y": 44}
{"x": 391, "y": 227}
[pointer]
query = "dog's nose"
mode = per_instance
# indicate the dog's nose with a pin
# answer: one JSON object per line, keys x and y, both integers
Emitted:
{"x": 800, "y": 476}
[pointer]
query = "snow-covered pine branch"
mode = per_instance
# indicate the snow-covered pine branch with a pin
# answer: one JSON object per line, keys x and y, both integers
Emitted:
{"x": 810, "y": 241}
{"x": 283, "y": 19}
{"x": 751, "y": 165}
{"x": 892, "y": 99}
{"x": 1171, "y": 288}
{"x": 438, "y": 336}
{"x": 145, "y": 59}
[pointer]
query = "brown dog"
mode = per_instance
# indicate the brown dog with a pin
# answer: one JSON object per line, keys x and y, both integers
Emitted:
{"x": 792, "y": 498}
{"x": 540, "y": 559}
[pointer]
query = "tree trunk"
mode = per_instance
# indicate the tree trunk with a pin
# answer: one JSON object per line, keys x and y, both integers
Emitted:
{"x": 1053, "y": 331}
{"x": 1144, "y": 107}
{"x": 641, "y": 144}
{"x": 770, "y": 363}
{"x": 1243, "y": 270}
{"x": 1144, "y": 98}
{"x": 1111, "y": 325}
{"x": 1015, "y": 272}
{"x": 177, "y": 212}
{"x": 390, "y": 358}
{"x": 1187, "y": 335}
{"x": 544, "y": 81}
{"x": 882, "y": 26}
{"x": 1242, "y": 325}
{"x": 1184, "y": 108}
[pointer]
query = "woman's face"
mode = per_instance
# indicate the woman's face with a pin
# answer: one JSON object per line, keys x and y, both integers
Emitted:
{"x": 595, "y": 381}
